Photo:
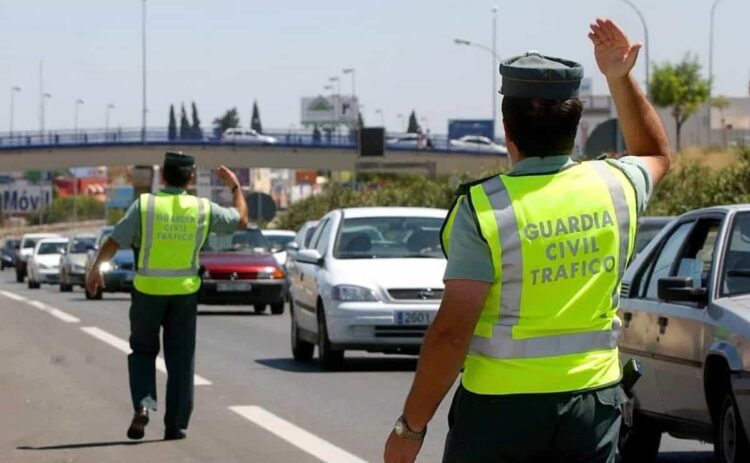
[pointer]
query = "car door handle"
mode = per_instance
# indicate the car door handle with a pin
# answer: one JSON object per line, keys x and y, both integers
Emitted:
{"x": 663, "y": 322}
{"x": 627, "y": 317}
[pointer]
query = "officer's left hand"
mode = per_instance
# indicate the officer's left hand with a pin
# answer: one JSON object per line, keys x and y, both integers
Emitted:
{"x": 94, "y": 280}
{"x": 400, "y": 450}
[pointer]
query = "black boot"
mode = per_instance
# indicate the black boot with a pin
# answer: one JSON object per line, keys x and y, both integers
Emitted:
{"x": 138, "y": 425}
{"x": 174, "y": 434}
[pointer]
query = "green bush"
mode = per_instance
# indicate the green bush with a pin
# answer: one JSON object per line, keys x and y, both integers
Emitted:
{"x": 61, "y": 210}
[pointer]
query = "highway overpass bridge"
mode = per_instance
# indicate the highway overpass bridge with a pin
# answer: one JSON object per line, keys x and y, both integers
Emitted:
{"x": 293, "y": 150}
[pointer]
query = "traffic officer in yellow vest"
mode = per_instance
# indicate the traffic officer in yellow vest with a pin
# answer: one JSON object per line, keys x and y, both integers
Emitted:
{"x": 166, "y": 231}
{"x": 535, "y": 259}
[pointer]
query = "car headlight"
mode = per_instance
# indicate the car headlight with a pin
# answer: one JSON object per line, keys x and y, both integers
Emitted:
{"x": 270, "y": 273}
{"x": 44, "y": 266}
{"x": 350, "y": 293}
{"x": 107, "y": 267}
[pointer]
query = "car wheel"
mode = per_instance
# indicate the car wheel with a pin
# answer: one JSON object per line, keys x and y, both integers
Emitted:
{"x": 259, "y": 308}
{"x": 302, "y": 351}
{"x": 2, "y": 265}
{"x": 65, "y": 288}
{"x": 730, "y": 442}
{"x": 19, "y": 277}
{"x": 277, "y": 308}
{"x": 640, "y": 442}
{"x": 330, "y": 359}
{"x": 34, "y": 285}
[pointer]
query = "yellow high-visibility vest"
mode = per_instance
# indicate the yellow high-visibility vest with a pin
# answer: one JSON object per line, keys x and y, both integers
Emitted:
{"x": 173, "y": 230}
{"x": 559, "y": 245}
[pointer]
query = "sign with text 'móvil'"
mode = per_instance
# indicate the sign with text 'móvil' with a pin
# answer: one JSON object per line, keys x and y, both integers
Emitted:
{"x": 24, "y": 198}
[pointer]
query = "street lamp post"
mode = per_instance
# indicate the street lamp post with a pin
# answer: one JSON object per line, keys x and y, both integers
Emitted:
{"x": 354, "y": 80}
{"x": 382, "y": 118}
{"x": 13, "y": 91}
{"x": 44, "y": 95}
{"x": 143, "y": 68}
{"x": 495, "y": 69}
{"x": 495, "y": 59}
{"x": 711, "y": 65}
{"x": 645, "y": 44}
{"x": 106, "y": 119}
{"x": 75, "y": 118}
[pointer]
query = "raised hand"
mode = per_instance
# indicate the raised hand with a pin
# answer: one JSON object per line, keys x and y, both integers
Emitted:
{"x": 227, "y": 176}
{"x": 615, "y": 54}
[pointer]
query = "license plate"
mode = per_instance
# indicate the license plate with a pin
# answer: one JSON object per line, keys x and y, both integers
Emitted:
{"x": 413, "y": 318}
{"x": 234, "y": 286}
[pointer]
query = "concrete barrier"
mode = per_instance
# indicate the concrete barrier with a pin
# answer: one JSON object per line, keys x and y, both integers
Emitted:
{"x": 62, "y": 228}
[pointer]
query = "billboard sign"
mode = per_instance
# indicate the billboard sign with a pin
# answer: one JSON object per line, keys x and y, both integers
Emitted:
{"x": 330, "y": 110}
{"x": 458, "y": 128}
{"x": 21, "y": 197}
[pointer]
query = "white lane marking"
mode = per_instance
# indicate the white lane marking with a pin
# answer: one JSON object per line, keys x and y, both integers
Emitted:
{"x": 298, "y": 437}
{"x": 13, "y": 296}
{"x": 124, "y": 346}
{"x": 54, "y": 311}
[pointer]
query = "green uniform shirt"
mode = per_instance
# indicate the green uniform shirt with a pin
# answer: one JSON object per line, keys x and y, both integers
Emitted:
{"x": 127, "y": 232}
{"x": 469, "y": 256}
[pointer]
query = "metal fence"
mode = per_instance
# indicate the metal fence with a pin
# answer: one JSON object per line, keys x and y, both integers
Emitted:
{"x": 161, "y": 136}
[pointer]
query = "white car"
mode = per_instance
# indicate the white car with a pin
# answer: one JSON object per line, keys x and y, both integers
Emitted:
{"x": 44, "y": 263}
{"x": 28, "y": 243}
{"x": 278, "y": 241}
{"x": 407, "y": 140}
{"x": 479, "y": 144}
{"x": 246, "y": 136}
{"x": 372, "y": 279}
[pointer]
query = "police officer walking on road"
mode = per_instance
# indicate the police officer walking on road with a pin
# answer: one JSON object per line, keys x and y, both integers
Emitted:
{"x": 167, "y": 231}
{"x": 535, "y": 260}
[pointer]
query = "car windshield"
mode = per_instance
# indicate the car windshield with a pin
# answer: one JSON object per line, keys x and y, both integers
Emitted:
{"x": 51, "y": 248}
{"x": 244, "y": 241}
{"x": 11, "y": 244}
{"x": 389, "y": 237}
{"x": 736, "y": 274}
{"x": 646, "y": 232}
{"x": 278, "y": 242}
{"x": 81, "y": 245}
{"x": 30, "y": 242}
{"x": 308, "y": 236}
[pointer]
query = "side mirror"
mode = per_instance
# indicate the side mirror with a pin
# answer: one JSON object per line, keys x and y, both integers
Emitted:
{"x": 680, "y": 289}
{"x": 309, "y": 256}
{"x": 292, "y": 246}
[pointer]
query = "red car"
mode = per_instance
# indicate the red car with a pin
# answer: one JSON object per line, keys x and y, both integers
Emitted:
{"x": 241, "y": 269}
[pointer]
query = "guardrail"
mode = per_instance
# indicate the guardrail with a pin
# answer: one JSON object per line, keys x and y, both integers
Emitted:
{"x": 82, "y": 226}
{"x": 161, "y": 136}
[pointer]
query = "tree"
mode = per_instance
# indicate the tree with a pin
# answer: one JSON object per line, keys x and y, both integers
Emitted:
{"x": 184, "y": 125}
{"x": 172, "y": 131}
{"x": 681, "y": 88}
{"x": 195, "y": 129}
{"x": 413, "y": 124}
{"x": 229, "y": 120}
{"x": 255, "y": 122}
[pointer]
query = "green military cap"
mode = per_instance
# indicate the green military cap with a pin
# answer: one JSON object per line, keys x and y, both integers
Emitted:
{"x": 533, "y": 75}
{"x": 178, "y": 159}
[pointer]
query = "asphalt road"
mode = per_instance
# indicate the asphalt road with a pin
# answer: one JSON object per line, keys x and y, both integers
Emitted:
{"x": 63, "y": 377}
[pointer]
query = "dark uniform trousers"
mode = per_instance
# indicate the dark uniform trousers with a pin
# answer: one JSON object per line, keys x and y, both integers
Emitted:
{"x": 579, "y": 427}
{"x": 177, "y": 315}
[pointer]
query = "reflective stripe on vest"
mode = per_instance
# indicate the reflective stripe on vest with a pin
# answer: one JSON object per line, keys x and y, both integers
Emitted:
{"x": 559, "y": 244}
{"x": 174, "y": 228}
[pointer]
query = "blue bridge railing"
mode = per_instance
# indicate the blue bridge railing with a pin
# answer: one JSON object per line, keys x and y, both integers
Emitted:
{"x": 161, "y": 136}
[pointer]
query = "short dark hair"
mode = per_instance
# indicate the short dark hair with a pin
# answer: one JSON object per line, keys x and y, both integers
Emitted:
{"x": 541, "y": 128}
{"x": 177, "y": 176}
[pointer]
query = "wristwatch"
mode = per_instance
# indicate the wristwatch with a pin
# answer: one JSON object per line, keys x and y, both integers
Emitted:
{"x": 403, "y": 430}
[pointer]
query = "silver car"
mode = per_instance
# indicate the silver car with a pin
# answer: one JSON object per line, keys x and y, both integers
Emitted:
{"x": 685, "y": 311}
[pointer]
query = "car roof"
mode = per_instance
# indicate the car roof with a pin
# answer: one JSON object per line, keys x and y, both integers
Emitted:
{"x": 52, "y": 240}
{"x": 722, "y": 209}
{"x": 84, "y": 235}
{"x": 40, "y": 235}
{"x": 656, "y": 220}
{"x": 362, "y": 212}
{"x": 279, "y": 232}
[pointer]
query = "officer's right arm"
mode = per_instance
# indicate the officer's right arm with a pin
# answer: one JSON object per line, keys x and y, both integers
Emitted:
{"x": 641, "y": 126}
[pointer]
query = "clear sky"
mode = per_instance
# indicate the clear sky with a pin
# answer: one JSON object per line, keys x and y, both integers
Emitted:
{"x": 222, "y": 53}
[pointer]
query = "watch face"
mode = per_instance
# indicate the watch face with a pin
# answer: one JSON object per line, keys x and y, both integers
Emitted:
{"x": 399, "y": 427}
